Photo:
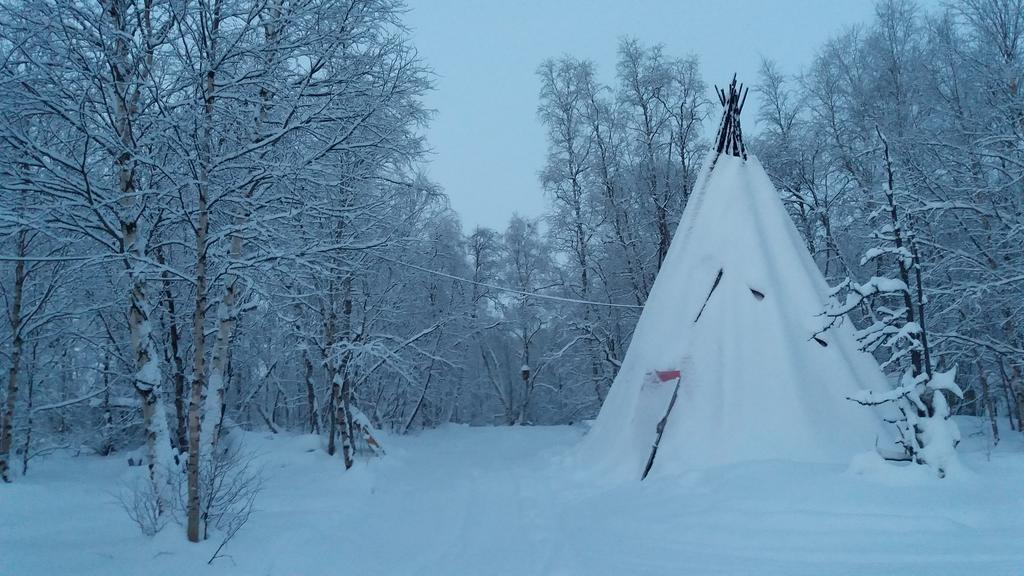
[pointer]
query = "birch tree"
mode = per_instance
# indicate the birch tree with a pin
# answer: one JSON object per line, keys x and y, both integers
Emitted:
{"x": 83, "y": 90}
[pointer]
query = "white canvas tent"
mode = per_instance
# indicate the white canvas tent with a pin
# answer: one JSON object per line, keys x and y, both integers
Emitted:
{"x": 734, "y": 310}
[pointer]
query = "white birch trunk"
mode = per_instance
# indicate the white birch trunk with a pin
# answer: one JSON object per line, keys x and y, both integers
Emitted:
{"x": 198, "y": 401}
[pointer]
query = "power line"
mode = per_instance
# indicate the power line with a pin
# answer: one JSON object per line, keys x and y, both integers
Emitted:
{"x": 505, "y": 288}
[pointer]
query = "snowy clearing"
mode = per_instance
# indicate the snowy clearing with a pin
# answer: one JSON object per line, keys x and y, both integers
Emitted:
{"x": 463, "y": 500}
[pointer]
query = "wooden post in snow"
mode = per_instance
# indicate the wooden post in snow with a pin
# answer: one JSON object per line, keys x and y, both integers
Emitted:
{"x": 664, "y": 377}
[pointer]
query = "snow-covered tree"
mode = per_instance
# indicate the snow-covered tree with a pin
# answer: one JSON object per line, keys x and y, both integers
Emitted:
{"x": 897, "y": 309}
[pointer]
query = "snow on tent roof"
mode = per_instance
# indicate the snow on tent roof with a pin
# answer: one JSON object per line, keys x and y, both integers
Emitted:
{"x": 734, "y": 308}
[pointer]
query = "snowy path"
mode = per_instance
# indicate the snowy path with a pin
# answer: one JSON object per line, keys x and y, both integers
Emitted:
{"x": 472, "y": 501}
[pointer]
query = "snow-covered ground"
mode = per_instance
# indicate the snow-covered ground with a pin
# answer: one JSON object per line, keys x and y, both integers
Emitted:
{"x": 485, "y": 501}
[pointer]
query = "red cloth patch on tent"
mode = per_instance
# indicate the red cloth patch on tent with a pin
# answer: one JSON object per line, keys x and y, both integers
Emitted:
{"x": 666, "y": 375}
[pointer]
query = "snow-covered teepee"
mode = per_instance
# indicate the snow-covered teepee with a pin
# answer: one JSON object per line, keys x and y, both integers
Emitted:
{"x": 724, "y": 365}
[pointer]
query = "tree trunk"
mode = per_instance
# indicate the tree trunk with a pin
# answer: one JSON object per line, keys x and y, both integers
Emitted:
{"x": 147, "y": 364}
{"x": 314, "y": 417}
{"x": 27, "y": 445}
{"x": 344, "y": 416}
{"x": 426, "y": 385}
{"x": 198, "y": 397}
{"x": 229, "y": 311}
{"x": 332, "y": 411}
{"x": 226, "y": 319}
{"x": 916, "y": 358}
{"x": 197, "y": 402}
{"x": 174, "y": 338}
{"x": 331, "y": 368}
{"x": 1014, "y": 398}
{"x": 228, "y": 314}
{"x": 345, "y": 420}
{"x": 987, "y": 402}
{"x": 147, "y": 376}
{"x": 108, "y": 417}
{"x": 17, "y": 343}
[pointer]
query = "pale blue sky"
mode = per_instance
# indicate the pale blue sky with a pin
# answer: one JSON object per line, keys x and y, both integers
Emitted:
{"x": 488, "y": 144}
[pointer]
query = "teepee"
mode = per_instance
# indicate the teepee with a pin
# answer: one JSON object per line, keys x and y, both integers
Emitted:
{"x": 724, "y": 365}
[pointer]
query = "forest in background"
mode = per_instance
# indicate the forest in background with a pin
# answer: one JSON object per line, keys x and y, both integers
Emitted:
{"x": 213, "y": 216}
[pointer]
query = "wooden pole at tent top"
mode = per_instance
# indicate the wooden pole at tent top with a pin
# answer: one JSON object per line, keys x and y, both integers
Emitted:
{"x": 730, "y": 137}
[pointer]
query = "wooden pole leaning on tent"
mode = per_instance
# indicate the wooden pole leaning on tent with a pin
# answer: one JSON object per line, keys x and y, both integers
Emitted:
{"x": 664, "y": 376}
{"x": 730, "y": 137}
